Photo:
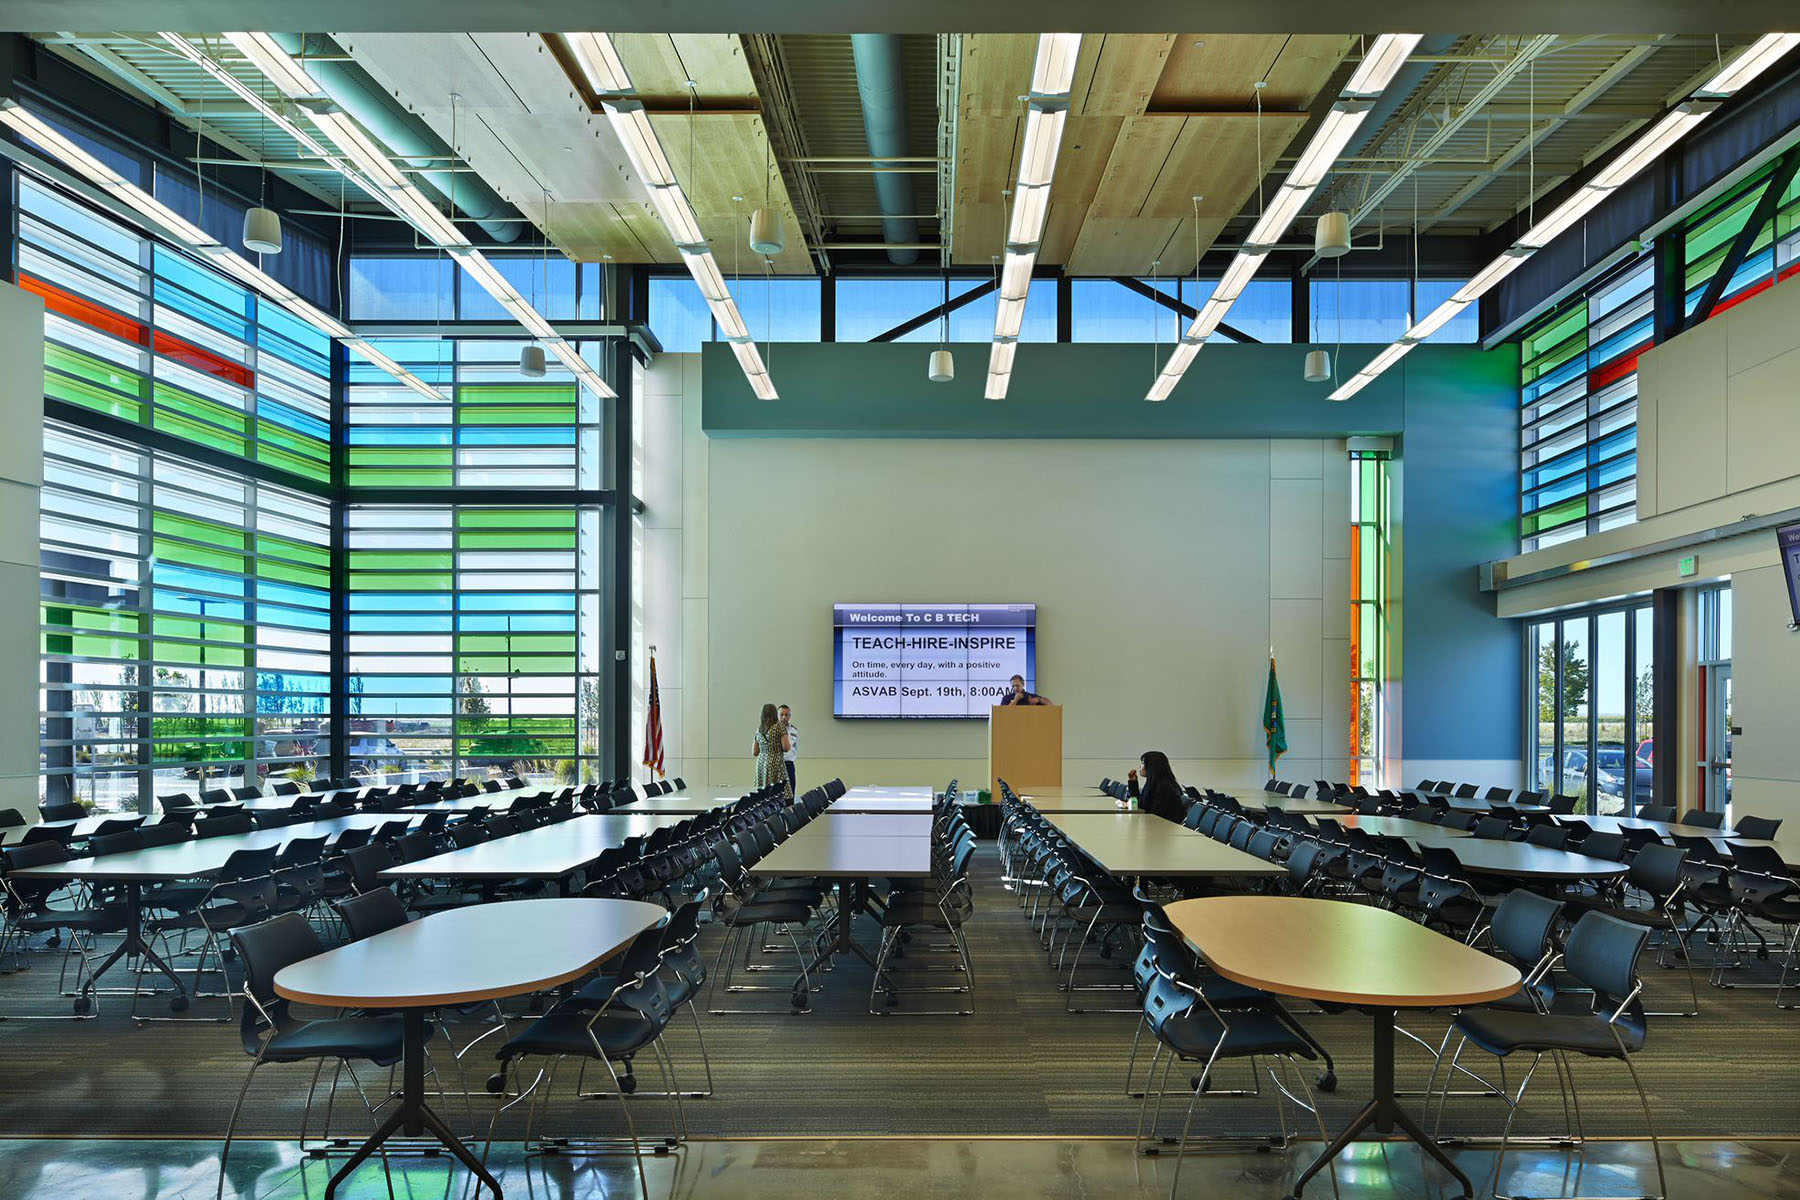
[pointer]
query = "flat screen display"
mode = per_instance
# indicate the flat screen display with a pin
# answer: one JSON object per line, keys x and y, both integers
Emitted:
{"x": 1788, "y": 537}
{"x": 929, "y": 660}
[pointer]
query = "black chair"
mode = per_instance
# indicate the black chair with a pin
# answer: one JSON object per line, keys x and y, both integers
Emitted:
{"x": 1600, "y": 954}
{"x": 224, "y": 825}
{"x": 246, "y": 793}
{"x": 28, "y": 910}
{"x": 177, "y": 802}
{"x": 1563, "y": 806}
{"x": 1756, "y": 829}
{"x": 272, "y": 1034}
{"x": 286, "y": 787}
{"x": 1657, "y": 812}
{"x": 611, "y": 1022}
{"x": 1551, "y": 837}
{"x": 1656, "y": 871}
{"x": 1763, "y": 888}
{"x": 369, "y": 913}
{"x": 1699, "y": 819}
{"x": 62, "y": 812}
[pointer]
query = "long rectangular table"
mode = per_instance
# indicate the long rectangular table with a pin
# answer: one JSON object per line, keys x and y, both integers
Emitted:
{"x": 1420, "y": 831}
{"x": 1069, "y": 799}
{"x": 841, "y": 824}
{"x": 679, "y": 804}
{"x": 881, "y": 804}
{"x": 548, "y": 852}
{"x": 1127, "y": 845}
{"x": 196, "y": 858}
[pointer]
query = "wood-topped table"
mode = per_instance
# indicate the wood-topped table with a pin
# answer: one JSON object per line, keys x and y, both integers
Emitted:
{"x": 1346, "y": 953}
{"x": 553, "y": 851}
{"x": 197, "y": 858}
{"x": 1131, "y": 844}
{"x": 460, "y": 956}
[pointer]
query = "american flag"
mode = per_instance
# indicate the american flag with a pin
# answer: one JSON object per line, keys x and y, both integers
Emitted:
{"x": 653, "y": 747}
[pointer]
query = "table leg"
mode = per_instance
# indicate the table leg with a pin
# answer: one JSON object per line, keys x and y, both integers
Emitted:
{"x": 135, "y": 943}
{"x": 1383, "y": 1113}
{"x": 413, "y": 1116}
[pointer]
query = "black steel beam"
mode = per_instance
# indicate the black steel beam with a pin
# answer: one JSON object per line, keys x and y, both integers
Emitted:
{"x": 1766, "y": 206}
{"x": 942, "y": 310}
{"x": 1169, "y": 302}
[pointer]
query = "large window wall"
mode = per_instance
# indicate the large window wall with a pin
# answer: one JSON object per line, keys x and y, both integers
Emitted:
{"x": 185, "y": 621}
{"x": 197, "y": 495}
{"x": 1593, "y": 697}
{"x": 1578, "y": 382}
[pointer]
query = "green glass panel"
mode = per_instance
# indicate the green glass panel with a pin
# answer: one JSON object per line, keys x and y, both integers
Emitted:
{"x": 197, "y": 556}
{"x": 1555, "y": 358}
{"x": 195, "y": 530}
{"x": 279, "y": 547}
{"x": 1559, "y": 330}
{"x": 558, "y": 415}
{"x": 516, "y": 518}
{"x": 288, "y": 573}
{"x": 90, "y": 395}
{"x": 509, "y": 393}
{"x": 200, "y": 408}
{"x": 208, "y": 655}
{"x": 193, "y": 627}
{"x": 521, "y": 643}
{"x": 96, "y": 370}
{"x": 199, "y": 431}
{"x": 1557, "y": 515}
{"x": 304, "y": 467}
{"x": 381, "y": 582}
{"x": 556, "y": 540}
{"x": 381, "y": 478}
{"x": 270, "y": 434}
{"x": 498, "y": 666}
{"x": 401, "y": 560}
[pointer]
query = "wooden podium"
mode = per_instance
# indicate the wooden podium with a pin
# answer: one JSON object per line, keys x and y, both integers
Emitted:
{"x": 1025, "y": 746}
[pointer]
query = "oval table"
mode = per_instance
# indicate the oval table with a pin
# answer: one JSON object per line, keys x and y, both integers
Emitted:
{"x": 1345, "y": 953}
{"x": 464, "y": 955}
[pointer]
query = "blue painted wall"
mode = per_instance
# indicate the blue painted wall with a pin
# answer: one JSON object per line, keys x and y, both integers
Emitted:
{"x": 1452, "y": 409}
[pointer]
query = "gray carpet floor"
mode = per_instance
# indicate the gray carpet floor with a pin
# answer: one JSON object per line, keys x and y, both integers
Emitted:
{"x": 1020, "y": 1066}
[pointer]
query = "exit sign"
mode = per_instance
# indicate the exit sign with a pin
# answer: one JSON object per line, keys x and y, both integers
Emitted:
{"x": 1688, "y": 564}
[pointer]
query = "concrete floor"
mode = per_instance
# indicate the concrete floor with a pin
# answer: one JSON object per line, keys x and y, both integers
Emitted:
{"x": 901, "y": 1168}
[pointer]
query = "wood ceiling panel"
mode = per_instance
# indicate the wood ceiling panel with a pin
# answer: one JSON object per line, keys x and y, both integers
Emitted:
{"x": 1217, "y": 72}
{"x": 729, "y": 159}
{"x": 1124, "y": 72}
{"x": 1137, "y": 158}
{"x": 1178, "y": 253}
{"x": 985, "y": 151}
{"x": 1121, "y": 245}
{"x": 996, "y": 71}
{"x": 661, "y": 64}
{"x": 1087, "y": 147}
{"x": 1216, "y": 157}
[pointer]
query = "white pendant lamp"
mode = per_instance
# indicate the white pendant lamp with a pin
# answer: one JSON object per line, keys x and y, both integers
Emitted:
{"x": 262, "y": 231}
{"x": 531, "y": 361}
{"x": 1331, "y": 238}
{"x": 1318, "y": 366}
{"x": 943, "y": 367}
{"x": 767, "y": 236}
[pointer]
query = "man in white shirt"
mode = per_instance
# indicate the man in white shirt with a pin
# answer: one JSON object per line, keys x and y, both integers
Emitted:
{"x": 793, "y": 748}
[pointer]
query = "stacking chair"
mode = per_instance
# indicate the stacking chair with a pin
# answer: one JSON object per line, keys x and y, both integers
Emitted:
{"x": 62, "y": 812}
{"x": 176, "y": 801}
{"x": 286, "y": 787}
{"x": 1600, "y": 954}
{"x": 272, "y": 1034}
{"x": 1756, "y": 829}
{"x": 1657, "y": 812}
{"x": 1656, "y": 871}
{"x": 28, "y": 910}
{"x": 945, "y": 904}
{"x": 242, "y": 893}
{"x": 1762, "y": 889}
{"x": 784, "y": 906}
{"x": 606, "y": 1022}
{"x": 246, "y": 793}
{"x": 1703, "y": 820}
{"x": 1192, "y": 1029}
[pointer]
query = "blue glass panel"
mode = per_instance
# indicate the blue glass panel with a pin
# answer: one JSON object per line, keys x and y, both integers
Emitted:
{"x": 1464, "y": 327}
{"x": 292, "y": 618}
{"x": 516, "y": 601}
{"x": 179, "y": 578}
{"x": 405, "y": 602}
{"x": 1360, "y": 310}
{"x": 548, "y": 287}
{"x": 678, "y": 315}
{"x": 401, "y": 287}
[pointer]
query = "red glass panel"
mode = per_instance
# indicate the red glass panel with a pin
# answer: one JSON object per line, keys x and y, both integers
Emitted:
{"x": 1742, "y": 296}
{"x": 1614, "y": 371}
{"x": 190, "y": 355}
{"x": 67, "y": 304}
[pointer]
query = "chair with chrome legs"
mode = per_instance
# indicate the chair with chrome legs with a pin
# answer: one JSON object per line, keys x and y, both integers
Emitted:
{"x": 606, "y": 1022}
{"x": 1600, "y": 954}
{"x": 1656, "y": 870}
{"x": 1191, "y": 1029}
{"x": 273, "y": 1034}
{"x": 1762, "y": 889}
{"x": 945, "y": 903}
{"x": 27, "y": 906}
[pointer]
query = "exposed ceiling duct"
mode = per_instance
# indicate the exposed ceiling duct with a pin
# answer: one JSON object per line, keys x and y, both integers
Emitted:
{"x": 406, "y": 135}
{"x": 881, "y": 85}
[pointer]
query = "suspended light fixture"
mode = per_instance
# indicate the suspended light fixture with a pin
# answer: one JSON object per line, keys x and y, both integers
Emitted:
{"x": 262, "y": 231}
{"x": 943, "y": 367}
{"x": 531, "y": 361}
{"x": 531, "y": 357}
{"x": 1318, "y": 366}
{"x": 767, "y": 236}
{"x": 1331, "y": 237}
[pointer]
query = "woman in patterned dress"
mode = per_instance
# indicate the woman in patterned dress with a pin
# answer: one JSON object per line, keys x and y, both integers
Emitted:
{"x": 771, "y": 743}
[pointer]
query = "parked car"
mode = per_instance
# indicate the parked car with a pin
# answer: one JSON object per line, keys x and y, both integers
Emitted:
{"x": 1610, "y": 758}
{"x": 1647, "y": 750}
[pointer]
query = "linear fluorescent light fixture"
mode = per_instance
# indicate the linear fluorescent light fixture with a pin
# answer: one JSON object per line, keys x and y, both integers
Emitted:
{"x": 1379, "y": 65}
{"x": 1645, "y": 149}
{"x": 391, "y": 186}
{"x": 198, "y": 242}
{"x": 1052, "y": 78}
{"x": 604, "y": 72}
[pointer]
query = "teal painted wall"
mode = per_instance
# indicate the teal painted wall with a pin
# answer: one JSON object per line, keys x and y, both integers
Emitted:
{"x": 1453, "y": 409}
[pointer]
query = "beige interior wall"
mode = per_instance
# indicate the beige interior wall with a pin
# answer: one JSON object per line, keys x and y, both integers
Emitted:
{"x": 21, "y": 479}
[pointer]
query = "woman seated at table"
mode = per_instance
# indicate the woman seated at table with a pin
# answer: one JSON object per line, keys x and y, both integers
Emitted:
{"x": 1156, "y": 789}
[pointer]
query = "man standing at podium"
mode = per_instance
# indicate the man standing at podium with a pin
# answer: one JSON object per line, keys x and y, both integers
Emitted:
{"x": 1018, "y": 694}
